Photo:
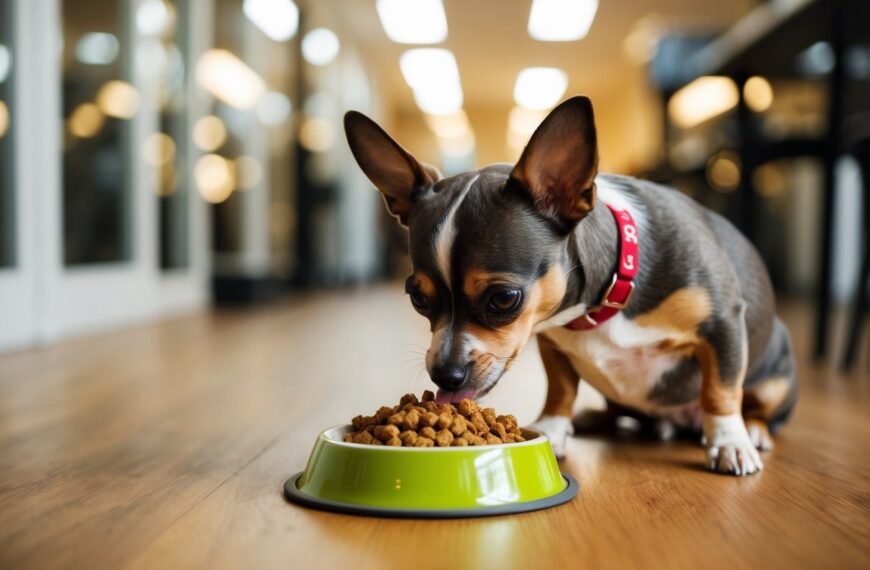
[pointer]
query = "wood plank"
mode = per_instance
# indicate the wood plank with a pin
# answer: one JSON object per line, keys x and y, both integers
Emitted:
{"x": 166, "y": 446}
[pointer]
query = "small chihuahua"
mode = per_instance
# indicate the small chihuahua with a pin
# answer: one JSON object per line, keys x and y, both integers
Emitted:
{"x": 660, "y": 304}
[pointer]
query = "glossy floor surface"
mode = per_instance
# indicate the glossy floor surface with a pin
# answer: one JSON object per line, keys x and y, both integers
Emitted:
{"x": 166, "y": 446}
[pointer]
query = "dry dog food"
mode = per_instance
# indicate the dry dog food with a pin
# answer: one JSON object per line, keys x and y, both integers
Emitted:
{"x": 423, "y": 423}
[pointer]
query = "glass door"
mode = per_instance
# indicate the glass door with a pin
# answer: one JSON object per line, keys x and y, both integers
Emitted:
{"x": 17, "y": 326}
{"x": 97, "y": 226}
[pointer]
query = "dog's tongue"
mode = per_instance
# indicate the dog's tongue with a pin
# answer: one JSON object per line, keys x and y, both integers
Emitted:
{"x": 447, "y": 397}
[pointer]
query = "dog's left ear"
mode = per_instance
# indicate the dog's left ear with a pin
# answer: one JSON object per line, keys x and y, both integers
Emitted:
{"x": 558, "y": 166}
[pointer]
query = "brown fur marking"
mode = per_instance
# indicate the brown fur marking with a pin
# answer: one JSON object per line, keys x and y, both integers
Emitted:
{"x": 763, "y": 399}
{"x": 562, "y": 379}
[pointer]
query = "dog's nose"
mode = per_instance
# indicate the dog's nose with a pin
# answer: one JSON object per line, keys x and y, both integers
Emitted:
{"x": 449, "y": 377}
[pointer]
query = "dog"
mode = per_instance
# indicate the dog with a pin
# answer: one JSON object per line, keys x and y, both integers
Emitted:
{"x": 660, "y": 304}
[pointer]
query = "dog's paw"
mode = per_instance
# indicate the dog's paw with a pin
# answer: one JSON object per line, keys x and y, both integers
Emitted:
{"x": 729, "y": 447}
{"x": 557, "y": 429}
{"x": 759, "y": 435}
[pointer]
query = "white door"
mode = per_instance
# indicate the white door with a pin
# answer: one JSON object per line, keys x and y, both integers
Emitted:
{"x": 118, "y": 237}
{"x": 17, "y": 306}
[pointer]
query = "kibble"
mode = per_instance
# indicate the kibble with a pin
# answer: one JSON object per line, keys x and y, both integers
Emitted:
{"x": 423, "y": 423}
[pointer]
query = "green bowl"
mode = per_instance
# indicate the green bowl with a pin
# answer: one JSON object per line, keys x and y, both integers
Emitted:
{"x": 437, "y": 482}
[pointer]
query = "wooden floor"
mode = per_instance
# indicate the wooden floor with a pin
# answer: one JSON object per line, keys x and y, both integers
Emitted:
{"x": 166, "y": 447}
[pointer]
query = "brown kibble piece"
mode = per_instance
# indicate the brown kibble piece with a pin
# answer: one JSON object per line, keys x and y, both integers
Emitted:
{"x": 467, "y": 407}
{"x": 445, "y": 420}
{"x": 363, "y": 437}
{"x": 459, "y": 442}
{"x": 348, "y": 437}
{"x": 491, "y": 439}
{"x": 459, "y": 426}
{"x": 412, "y": 420}
{"x": 428, "y": 432}
{"x": 508, "y": 420}
{"x": 394, "y": 442}
{"x": 444, "y": 438}
{"x": 408, "y": 399}
{"x": 396, "y": 419}
{"x": 385, "y": 433}
{"x": 429, "y": 419}
{"x": 408, "y": 438}
{"x": 498, "y": 429}
{"x": 428, "y": 396}
{"x": 424, "y": 442}
{"x": 479, "y": 423}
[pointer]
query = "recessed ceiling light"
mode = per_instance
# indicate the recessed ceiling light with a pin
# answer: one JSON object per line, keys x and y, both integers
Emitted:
{"x": 413, "y": 21}
{"x": 540, "y": 88}
{"x": 561, "y": 20}
{"x": 278, "y": 19}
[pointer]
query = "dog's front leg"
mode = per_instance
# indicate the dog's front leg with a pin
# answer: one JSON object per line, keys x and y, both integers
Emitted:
{"x": 562, "y": 382}
{"x": 722, "y": 356}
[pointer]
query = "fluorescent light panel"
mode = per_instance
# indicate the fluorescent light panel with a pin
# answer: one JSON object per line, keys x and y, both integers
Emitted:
{"x": 320, "y": 46}
{"x": 413, "y": 21}
{"x": 702, "y": 99}
{"x": 228, "y": 78}
{"x": 561, "y": 20}
{"x": 540, "y": 88}
{"x": 433, "y": 75}
{"x": 278, "y": 19}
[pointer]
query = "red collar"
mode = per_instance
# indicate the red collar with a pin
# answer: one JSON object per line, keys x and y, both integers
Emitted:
{"x": 622, "y": 286}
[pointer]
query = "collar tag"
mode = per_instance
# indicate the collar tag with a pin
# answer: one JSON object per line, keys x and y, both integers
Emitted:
{"x": 618, "y": 294}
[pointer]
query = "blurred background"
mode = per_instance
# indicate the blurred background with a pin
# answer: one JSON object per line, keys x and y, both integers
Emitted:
{"x": 161, "y": 156}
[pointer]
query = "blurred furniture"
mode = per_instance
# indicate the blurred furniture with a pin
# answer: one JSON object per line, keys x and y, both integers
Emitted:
{"x": 857, "y": 317}
{"x": 767, "y": 42}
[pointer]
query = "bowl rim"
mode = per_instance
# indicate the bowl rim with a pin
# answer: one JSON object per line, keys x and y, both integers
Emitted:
{"x": 328, "y": 436}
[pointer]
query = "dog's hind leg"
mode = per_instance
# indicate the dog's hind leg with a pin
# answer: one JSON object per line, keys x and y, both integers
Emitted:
{"x": 770, "y": 394}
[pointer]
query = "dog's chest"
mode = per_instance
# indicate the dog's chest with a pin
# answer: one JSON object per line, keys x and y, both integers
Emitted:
{"x": 622, "y": 360}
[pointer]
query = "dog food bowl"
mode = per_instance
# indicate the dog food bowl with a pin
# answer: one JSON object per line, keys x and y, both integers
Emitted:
{"x": 436, "y": 482}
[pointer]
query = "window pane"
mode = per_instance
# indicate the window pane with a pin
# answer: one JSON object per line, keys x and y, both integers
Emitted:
{"x": 97, "y": 107}
{"x": 171, "y": 161}
{"x": 7, "y": 219}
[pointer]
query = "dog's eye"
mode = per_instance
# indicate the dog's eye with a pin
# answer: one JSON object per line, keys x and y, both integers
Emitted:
{"x": 505, "y": 301}
{"x": 419, "y": 300}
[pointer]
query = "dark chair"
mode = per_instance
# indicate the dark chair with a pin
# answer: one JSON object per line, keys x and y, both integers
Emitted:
{"x": 861, "y": 151}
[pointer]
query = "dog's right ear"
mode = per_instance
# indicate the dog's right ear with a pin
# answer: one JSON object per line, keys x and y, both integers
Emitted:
{"x": 391, "y": 168}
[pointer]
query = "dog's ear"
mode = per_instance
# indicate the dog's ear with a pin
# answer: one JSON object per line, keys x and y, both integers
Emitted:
{"x": 558, "y": 166}
{"x": 391, "y": 168}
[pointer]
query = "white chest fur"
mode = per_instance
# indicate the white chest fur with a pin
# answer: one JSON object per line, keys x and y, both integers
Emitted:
{"x": 620, "y": 359}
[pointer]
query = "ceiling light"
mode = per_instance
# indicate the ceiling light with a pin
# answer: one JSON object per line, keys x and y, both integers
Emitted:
{"x": 701, "y": 100}
{"x": 118, "y": 99}
{"x": 413, "y": 21}
{"x": 317, "y": 135}
{"x": 278, "y": 19}
{"x": 758, "y": 93}
{"x": 539, "y": 88}
{"x": 4, "y": 119}
{"x": 228, "y": 78}
{"x": 97, "y": 48}
{"x": 561, "y": 20}
{"x": 85, "y": 121}
{"x": 723, "y": 171}
{"x": 320, "y": 46}
{"x": 274, "y": 108}
{"x": 209, "y": 133}
{"x": 159, "y": 149}
{"x": 152, "y": 17}
{"x": 5, "y": 62}
{"x": 214, "y": 177}
{"x": 433, "y": 75}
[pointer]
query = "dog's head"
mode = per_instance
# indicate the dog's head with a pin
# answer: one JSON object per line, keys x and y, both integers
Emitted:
{"x": 490, "y": 247}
